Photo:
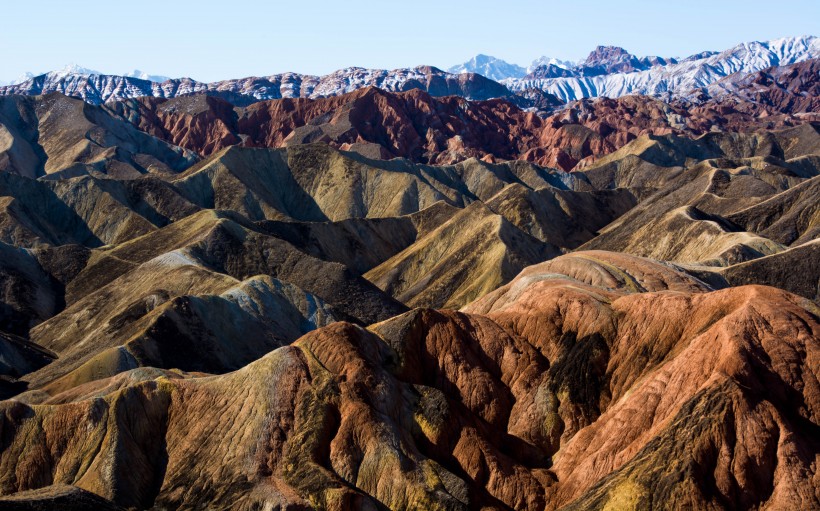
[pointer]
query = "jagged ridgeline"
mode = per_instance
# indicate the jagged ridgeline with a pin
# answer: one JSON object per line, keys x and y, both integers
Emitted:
{"x": 391, "y": 300}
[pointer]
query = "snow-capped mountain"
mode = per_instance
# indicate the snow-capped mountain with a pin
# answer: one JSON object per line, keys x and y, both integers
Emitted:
{"x": 74, "y": 69}
{"x": 70, "y": 69}
{"x": 608, "y": 71}
{"x": 490, "y": 67}
{"x": 142, "y": 75}
{"x": 602, "y": 61}
{"x": 673, "y": 78}
{"x": 23, "y": 78}
{"x": 97, "y": 88}
{"x": 606, "y": 60}
{"x": 550, "y": 61}
{"x": 19, "y": 79}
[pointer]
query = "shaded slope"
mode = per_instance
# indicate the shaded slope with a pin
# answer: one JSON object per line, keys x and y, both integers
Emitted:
{"x": 689, "y": 212}
{"x": 172, "y": 312}
{"x": 796, "y": 270}
{"x": 85, "y": 210}
{"x": 791, "y": 217}
{"x": 56, "y": 135}
{"x": 360, "y": 244}
{"x": 564, "y": 218}
{"x": 469, "y": 255}
{"x": 67, "y": 498}
{"x": 557, "y": 394}
{"x": 229, "y": 245}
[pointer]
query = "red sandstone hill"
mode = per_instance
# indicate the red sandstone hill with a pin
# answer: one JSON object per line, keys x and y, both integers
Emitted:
{"x": 593, "y": 381}
{"x": 264, "y": 327}
{"x": 442, "y": 130}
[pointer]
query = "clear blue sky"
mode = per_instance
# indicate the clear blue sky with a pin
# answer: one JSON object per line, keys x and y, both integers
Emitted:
{"x": 210, "y": 40}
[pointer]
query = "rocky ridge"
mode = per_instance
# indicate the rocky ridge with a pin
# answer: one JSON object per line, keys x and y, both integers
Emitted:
{"x": 211, "y": 305}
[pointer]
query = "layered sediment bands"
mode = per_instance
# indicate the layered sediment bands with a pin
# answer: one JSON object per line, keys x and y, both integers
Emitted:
{"x": 445, "y": 130}
{"x": 716, "y": 369}
{"x": 466, "y": 257}
{"x": 318, "y": 183}
{"x": 377, "y": 123}
{"x": 64, "y": 497}
{"x": 555, "y": 390}
{"x": 304, "y": 327}
{"x": 59, "y": 136}
{"x": 744, "y": 200}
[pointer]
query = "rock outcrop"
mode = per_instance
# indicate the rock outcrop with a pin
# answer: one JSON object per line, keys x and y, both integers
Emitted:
{"x": 584, "y": 383}
{"x": 299, "y": 310}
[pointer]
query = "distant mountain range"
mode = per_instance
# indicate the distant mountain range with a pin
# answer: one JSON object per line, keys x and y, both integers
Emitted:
{"x": 99, "y": 88}
{"x": 613, "y": 72}
{"x": 603, "y": 60}
{"x": 76, "y": 70}
{"x": 608, "y": 71}
{"x": 387, "y": 300}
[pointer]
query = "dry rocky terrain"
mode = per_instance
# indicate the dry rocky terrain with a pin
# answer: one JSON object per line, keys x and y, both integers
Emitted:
{"x": 397, "y": 301}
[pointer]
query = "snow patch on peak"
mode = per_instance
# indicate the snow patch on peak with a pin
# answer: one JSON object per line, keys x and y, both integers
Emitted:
{"x": 24, "y": 78}
{"x": 676, "y": 78}
{"x": 489, "y": 67}
{"x": 550, "y": 61}
{"x": 142, "y": 75}
{"x": 74, "y": 69}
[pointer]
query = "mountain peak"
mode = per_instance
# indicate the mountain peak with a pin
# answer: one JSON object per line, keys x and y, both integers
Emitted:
{"x": 75, "y": 69}
{"x": 490, "y": 67}
{"x": 142, "y": 75}
{"x": 550, "y": 61}
{"x": 608, "y": 57}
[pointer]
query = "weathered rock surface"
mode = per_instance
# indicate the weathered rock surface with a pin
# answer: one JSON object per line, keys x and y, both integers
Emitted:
{"x": 235, "y": 331}
{"x": 466, "y": 257}
{"x": 426, "y": 129}
{"x": 795, "y": 270}
{"x": 60, "y": 136}
{"x": 590, "y": 381}
{"x": 63, "y": 497}
{"x": 747, "y": 198}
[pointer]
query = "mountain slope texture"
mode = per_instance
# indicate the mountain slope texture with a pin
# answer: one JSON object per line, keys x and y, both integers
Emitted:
{"x": 415, "y": 289}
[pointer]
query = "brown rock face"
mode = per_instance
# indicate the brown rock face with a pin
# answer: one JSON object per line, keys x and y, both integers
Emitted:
{"x": 204, "y": 124}
{"x": 380, "y": 124}
{"x": 792, "y": 89}
{"x": 258, "y": 328}
{"x": 443, "y": 130}
{"x": 59, "y": 136}
{"x": 592, "y": 381}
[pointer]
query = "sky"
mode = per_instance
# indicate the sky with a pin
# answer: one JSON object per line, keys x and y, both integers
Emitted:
{"x": 208, "y": 40}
